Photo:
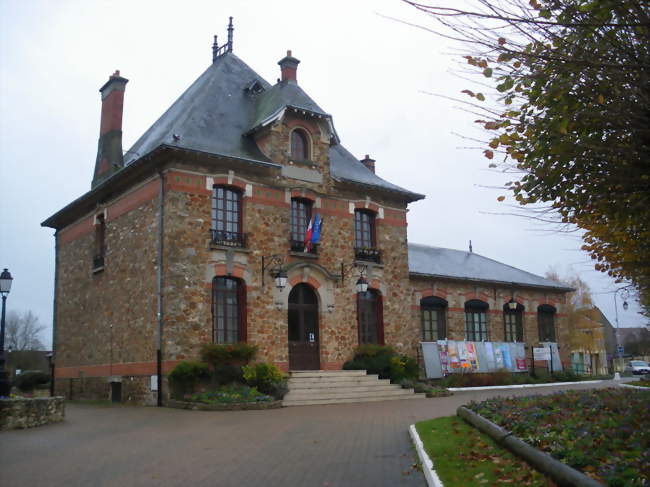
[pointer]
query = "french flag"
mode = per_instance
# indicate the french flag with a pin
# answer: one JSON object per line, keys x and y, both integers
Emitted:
{"x": 312, "y": 235}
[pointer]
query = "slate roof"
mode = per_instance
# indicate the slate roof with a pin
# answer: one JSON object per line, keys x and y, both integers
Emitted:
{"x": 458, "y": 264}
{"x": 217, "y": 111}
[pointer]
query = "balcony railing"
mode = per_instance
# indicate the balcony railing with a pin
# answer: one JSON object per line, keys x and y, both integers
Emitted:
{"x": 299, "y": 246}
{"x": 98, "y": 262}
{"x": 228, "y": 239}
{"x": 367, "y": 254}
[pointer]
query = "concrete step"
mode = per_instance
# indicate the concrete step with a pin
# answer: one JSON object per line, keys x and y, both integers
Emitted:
{"x": 330, "y": 384}
{"x": 309, "y": 402}
{"x": 315, "y": 394}
{"x": 326, "y": 373}
{"x": 376, "y": 388}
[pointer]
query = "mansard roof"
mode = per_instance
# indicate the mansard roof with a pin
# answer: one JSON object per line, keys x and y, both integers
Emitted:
{"x": 215, "y": 114}
{"x": 458, "y": 264}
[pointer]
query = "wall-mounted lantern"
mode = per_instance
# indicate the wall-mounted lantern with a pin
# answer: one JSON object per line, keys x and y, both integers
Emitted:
{"x": 275, "y": 265}
{"x": 362, "y": 283}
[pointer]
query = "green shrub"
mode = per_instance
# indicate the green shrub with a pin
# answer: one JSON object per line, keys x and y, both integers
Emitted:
{"x": 407, "y": 384}
{"x": 30, "y": 379}
{"x": 184, "y": 377}
{"x": 383, "y": 361}
{"x": 264, "y": 376}
{"x": 227, "y": 374}
{"x": 217, "y": 355}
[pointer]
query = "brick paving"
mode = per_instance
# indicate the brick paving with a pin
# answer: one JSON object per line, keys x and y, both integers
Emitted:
{"x": 364, "y": 444}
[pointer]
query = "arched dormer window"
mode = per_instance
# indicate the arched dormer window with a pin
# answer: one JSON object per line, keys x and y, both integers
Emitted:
{"x": 546, "y": 323}
{"x": 434, "y": 323}
{"x": 299, "y": 145}
{"x": 476, "y": 321}
{"x": 513, "y": 323}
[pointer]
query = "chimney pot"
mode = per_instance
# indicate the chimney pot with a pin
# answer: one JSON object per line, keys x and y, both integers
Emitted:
{"x": 289, "y": 67}
{"x": 369, "y": 163}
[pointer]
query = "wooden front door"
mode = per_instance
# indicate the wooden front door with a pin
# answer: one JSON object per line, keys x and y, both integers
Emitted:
{"x": 304, "y": 352}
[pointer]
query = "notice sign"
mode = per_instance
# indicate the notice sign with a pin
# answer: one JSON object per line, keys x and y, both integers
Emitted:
{"x": 542, "y": 353}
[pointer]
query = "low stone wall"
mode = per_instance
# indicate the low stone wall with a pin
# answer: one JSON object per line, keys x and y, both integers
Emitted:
{"x": 198, "y": 406}
{"x": 23, "y": 413}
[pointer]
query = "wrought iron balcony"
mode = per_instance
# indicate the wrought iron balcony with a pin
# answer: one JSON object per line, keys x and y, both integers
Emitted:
{"x": 98, "y": 262}
{"x": 367, "y": 254}
{"x": 228, "y": 239}
{"x": 299, "y": 246}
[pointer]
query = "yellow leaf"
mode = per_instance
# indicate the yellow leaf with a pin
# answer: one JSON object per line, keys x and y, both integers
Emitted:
{"x": 501, "y": 198}
{"x": 601, "y": 99}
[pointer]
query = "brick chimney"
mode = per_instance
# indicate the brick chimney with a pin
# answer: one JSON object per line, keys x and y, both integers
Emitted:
{"x": 369, "y": 163}
{"x": 109, "y": 148}
{"x": 288, "y": 68}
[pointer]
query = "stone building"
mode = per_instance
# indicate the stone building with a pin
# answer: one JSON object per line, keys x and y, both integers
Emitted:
{"x": 180, "y": 242}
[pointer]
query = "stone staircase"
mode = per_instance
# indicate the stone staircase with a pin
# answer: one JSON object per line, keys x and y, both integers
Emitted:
{"x": 341, "y": 386}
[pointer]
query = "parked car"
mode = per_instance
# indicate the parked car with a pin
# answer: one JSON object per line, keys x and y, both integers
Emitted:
{"x": 637, "y": 367}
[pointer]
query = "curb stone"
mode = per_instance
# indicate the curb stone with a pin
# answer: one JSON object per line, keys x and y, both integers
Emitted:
{"x": 430, "y": 474}
{"x": 629, "y": 386}
{"x": 560, "y": 472}
{"x": 522, "y": 386}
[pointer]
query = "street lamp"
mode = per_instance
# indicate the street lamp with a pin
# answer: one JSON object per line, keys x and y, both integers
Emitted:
{"x": 625, "y": 294}
{"x": 362, "y": 285}
{"x": 5, "y": 287}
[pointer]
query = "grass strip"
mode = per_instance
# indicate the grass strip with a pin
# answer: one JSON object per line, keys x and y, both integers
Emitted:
{"x": 464, "y": 457}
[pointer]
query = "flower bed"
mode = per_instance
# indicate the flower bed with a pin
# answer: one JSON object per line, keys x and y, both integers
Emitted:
{"x": 227, "y": 398}
{"x": 506, "y": 378}
{"x": 602, "y": 433}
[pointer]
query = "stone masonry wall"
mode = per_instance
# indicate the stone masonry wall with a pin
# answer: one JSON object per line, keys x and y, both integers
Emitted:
{"x": 28, "y": 413}
{"x": 106, "y": 320}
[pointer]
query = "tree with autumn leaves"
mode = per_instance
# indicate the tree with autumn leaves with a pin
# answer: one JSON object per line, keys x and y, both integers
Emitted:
{"x": 569, "y": 116}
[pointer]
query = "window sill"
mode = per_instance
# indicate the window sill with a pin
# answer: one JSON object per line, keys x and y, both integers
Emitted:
{"x": 303, "y": 255}
{"x": 306, "y": 162}
{"x": 243, "y": 250}
{"x": 97, "y": 270}
{"x": 359, "y": 263}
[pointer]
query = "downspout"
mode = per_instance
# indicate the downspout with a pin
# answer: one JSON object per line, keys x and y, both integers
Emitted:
{"x": 54, "y": 306}
{"x": 161, "y": 220}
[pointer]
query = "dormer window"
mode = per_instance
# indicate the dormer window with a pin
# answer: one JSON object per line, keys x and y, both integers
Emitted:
{"x": 299, "y": 145}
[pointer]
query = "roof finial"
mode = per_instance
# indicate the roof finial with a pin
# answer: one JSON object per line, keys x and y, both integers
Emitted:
{"x": 470, "y": 246}
{"x": 215, "y": 49}
{"x": 230, "y": 29}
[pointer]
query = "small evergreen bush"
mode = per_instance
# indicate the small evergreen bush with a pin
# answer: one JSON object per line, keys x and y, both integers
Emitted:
{"x": 217, "y": 355}
{"x": 383, "y": 361}
{"x": 27, "y": 381}
{"x": 267, "y": 378}
{"x": 184, "y": 377}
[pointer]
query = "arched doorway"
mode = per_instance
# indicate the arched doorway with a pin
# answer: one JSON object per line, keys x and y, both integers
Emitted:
{"x": 304, "y": 351}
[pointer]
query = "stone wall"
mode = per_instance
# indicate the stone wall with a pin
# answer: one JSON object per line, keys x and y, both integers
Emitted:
{"x": 28, "y": 413}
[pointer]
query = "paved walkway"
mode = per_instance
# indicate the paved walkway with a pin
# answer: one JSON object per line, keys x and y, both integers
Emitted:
{"x": 338, "y": 446}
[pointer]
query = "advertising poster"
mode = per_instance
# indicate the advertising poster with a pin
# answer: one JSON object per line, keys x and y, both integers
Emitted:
{"x": 521, "y": 364}
{"x": 462, "y": 356}
{"x": 444, "y": 356}
{"x": 498, "y": 357}
{"x": 472, "y": 356}
{"x": 489, "y": 357}
{"x": 507, "y": 360}
{"x": 454, "y": 362}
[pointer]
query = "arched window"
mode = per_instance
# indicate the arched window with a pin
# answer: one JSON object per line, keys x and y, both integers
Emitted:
{"x": 434, "y": 324}
{"x": 370, "y": 317}
{"x": 300, "y": 217}
{"x": 476, "y": 321}
{"x": 513, "y": 323}
{"x": 228, "y": 310}
{"x": 227, "y": 217}
{"x": 299, "y": 145}
{"x": 546, "y": 322}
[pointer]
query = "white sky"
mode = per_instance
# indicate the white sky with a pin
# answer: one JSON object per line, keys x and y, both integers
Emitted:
{"x": 368, "y": 71}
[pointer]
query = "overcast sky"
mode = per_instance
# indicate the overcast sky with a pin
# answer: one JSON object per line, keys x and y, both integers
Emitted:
{"x": 371, "y": 73}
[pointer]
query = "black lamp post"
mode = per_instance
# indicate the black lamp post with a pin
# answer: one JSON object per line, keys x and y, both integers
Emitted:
{"x": 5, "y": 287}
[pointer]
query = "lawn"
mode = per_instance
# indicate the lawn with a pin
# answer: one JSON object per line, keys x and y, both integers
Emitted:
{"x": 463, "y": 457}
{"x": 602, "y": 432}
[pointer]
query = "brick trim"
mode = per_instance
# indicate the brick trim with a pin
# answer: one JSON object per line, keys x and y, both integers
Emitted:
{"x": 108, "y": 370}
